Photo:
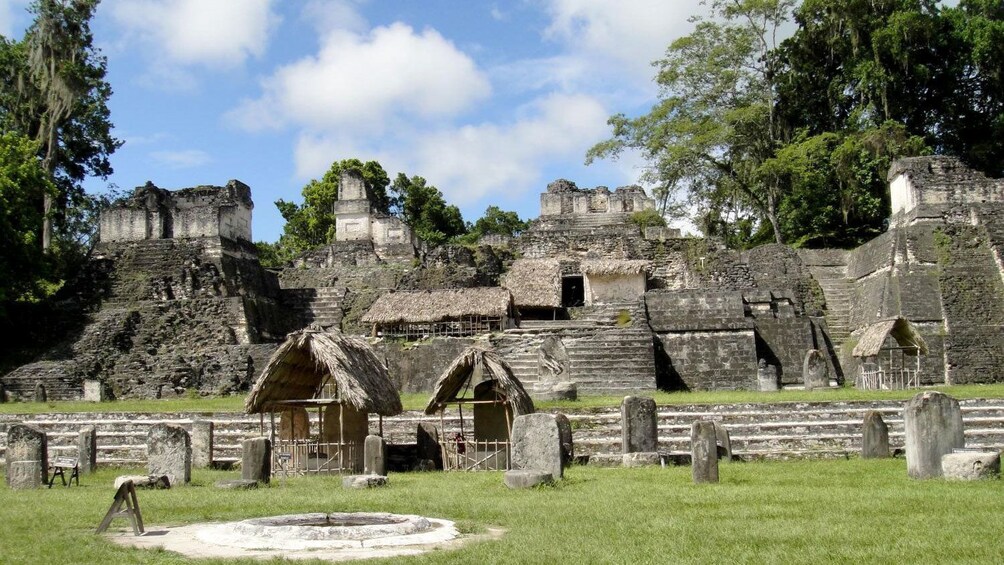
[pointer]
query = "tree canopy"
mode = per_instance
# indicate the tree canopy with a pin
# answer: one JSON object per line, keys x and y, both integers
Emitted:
{"x": 790, "y": 141}
{"x": 54, "y": 91}
{"x": 423, "y": 207}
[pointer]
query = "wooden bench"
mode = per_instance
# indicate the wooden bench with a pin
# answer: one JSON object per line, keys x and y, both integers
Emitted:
{"x": 59, "y": 465}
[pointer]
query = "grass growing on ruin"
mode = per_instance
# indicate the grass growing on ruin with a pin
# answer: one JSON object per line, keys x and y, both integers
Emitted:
{"x": 850, "y": 511}
{"x": 418, "y": 401}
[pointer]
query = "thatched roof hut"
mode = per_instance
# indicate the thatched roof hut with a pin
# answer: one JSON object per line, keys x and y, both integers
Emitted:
{"x": 297, "y": 370}
{"x": 430, "y": 306}
{"x": 615, "y": 267}
{"x": 874, "y": 336}
{"x": 535, "y": 283}
{"x": 456, "y": 377}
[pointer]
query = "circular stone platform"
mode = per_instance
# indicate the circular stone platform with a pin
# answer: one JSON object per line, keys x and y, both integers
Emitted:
{"x": 336, "y": 536}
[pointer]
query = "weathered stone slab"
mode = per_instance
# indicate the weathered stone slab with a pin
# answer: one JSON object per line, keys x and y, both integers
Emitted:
{"x": 169, "y": 452}
{"x": 363, "y": 481}
{"x": 27, "y": 457}
{"x": 874, "y": 436}
{"x": 237, "y": 484}
{"x": 537, "y": 444}
{"x": 295, "y": 423}
{"x": 94, "y": 391}
{"x": 256, "y": 459}
{"x": 202, "y": 444}
{"x": 723, "y": 442}
{"x": 933, "y": 423}
{"x": 766, "y": 377}
{"x": 606, "y": 460}
{"x": 427, "y": 440}
{"x": 704, "y": 452}
{"x": 565, "y": 390}
{"x": 639, "y": 431}
{"x": 375, "y": 455}
{"x": 523, "y": 478}
{"x": 567, "y": 446}
{"x": 971, "y": 465}
{"x": 552, "y": 362}
{"x": 815, "y": 370}
{"x": 39, "y": 394}
{"x": 144, "y": 481}
{"x": 87, "y": 450}
{"x": 641, "y": 459}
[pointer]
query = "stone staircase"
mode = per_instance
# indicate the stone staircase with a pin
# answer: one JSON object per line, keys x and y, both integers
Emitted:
{"x": 603, "y": 360}
{"x": 790, "y": 430}
{"x": 319, "y": 306}
{"x": 838, "y": 290}
{"x": 589, "y": 222}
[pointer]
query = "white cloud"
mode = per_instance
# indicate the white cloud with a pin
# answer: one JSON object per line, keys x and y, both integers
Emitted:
{"x": 210, "y": 33}
{"x": 471, "y": 162}
{"x": 629, "y": 33}
{"x": 329, "y": 15}
{"x": 365, "y": 81}
{"x": 182, "y": 159}
{"x": 474, "y": 161}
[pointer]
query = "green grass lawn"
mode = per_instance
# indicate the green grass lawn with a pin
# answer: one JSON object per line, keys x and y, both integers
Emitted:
{"x": 418, "y": 401}
{"x": 847, "y": 511}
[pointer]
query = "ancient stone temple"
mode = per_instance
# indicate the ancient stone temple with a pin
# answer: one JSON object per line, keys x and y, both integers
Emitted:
{"x": 182, "y": 303}
{"x": 584, "y": 297}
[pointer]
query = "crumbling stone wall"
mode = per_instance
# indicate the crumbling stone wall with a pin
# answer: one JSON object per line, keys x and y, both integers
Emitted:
{"x": 973, "y": 293}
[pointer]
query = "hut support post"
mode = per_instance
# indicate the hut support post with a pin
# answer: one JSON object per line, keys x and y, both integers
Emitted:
{"x": 380, "y": 424}
{"x": 341, "y": 438}
{"x": 271, "y": 437}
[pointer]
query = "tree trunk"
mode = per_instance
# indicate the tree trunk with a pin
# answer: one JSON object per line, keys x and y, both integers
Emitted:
{"x": 772, "y": 218}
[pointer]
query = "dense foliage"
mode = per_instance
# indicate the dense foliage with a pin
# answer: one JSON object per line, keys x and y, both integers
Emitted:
{"x": 55, "y": 131}
{"x": 790, "y": 141}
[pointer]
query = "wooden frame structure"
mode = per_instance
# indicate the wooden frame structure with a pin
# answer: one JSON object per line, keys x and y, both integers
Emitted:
{"x": 479, "y": 377}
{"x": 343, "y": 379}
{"x": 877, "y": 369}
{"x": 457, "y": 312}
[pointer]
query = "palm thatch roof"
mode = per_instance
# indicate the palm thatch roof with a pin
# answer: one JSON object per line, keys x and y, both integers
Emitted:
{"x": 535, "y": 283}
{"x": 455, "y": 378}
{"x": 298, "y": 368}
{"x": 615, "y": 267}
{"x": 874, "y": 335}
{"x": 427, "y": 306}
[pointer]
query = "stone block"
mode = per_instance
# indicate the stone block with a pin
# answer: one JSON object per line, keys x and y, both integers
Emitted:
{"x": 525, "y": 478}
{"x": 971, "y": 464}
{"x": 27, "y": 457}
{"x": 639, "y": 431}
{"x": 723, "y": 442}
{"x": 536, "y": 444}
{"x": 704, "y": 452}
{"x": 363, "y": 481}
{"x": 766, "y": 377}
{"x": 606, "y": 460}
{"x": 641, "y": 459}
{"x": 874, "y": 437}
{"x": 933, "y": 423}
{"x": 256, "y": 459}
{"x": 39, "y": 394}
{"x": 169, "y": 452}
{"x": 815, "y": 370}
{"x": 94, "y": 391}
{"x": 427, "y": 440}
{"x": 567, "y": 446}
{"x": 375, "y": 455}
{"x": 87, "y": 450}
{"x": 202, "y": 444}
{"x": 566, "y": 390}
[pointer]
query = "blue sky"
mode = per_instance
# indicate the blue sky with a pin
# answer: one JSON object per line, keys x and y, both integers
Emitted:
{"x": 489, "y": 101}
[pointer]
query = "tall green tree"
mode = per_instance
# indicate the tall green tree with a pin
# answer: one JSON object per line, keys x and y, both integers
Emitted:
{"x": 423, "y": 207}
{"x": 22, "y": 179}
{"x": 715, "y": 123}
{"x": 55, "y": 92}
{"x": 312, "y": 223}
